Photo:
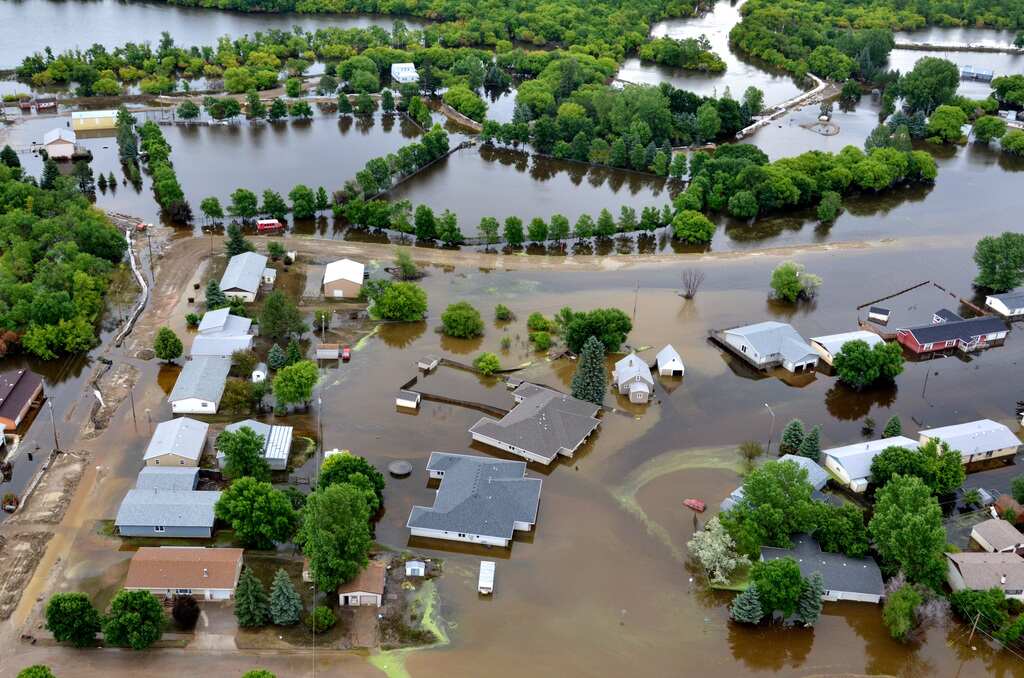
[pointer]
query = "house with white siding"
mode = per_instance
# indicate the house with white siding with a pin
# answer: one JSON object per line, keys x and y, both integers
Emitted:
{"x": 178, "y": 442}
{"x": 632, "y": 377}
{"x": 404, "y": 72}
{"x": 1008, "y": 305}
{"x": 852, "y": 463}
{"x": 669, "y": 363}
{"x": 846, "y": 578}
{"x": 829, "y": 345}
{"x": 996, "y": 535}
{"x": 367, "y": 588}
{"x": 975, "y": 440}
{"x": 221, "y": 334}
{"x": 244, "y": 276}
{"x": 770, "y": 344}
{"x": 60, "y": 143}
{"x": 167, "y": 513}
{"x": 479, "y": 500}
{"x": 983, "y": 571}
{"x": 200, "y": 385}
{"x": 277, "y": 442}
{"x": 205, "y": 573}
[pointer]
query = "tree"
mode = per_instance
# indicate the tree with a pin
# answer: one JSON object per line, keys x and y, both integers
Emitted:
{"x": 335, "y": 534}
{"x": 9, "y": 157}
{"x": 255, "y": 108}
{"x": 503, "y": 313}
{"x": 215, "y": 297}
{"x": 252, "y": 607}
{"x": 211, "y": 209}
{"x": 558, "y": 230}
{"x": 489, "y": 230}
{"x": 829, "y": 207}
{"x": 36, "y": 671}
{"x": 387, "y": 102}
{"x": 167, "y": 346}
{"x": 898, "y": 613}
{"x": 278, "y": 110}
{"x": 322, "y": 619}
{"x": 280, "y": 317}
{"x": 792, "y": 437}
{"x": 285, "y": 604}
{"x": 790, "y": 283}
{"x": 514, "y": 231}
{"x": 344, "y": 467}
{"x": 71, "y": 618}
{"x": 487, "y": 364}
{"x": 692, "y": 227}
{"x": 605, "y": 227}
{"x": 584, "y": 228}
{"x": 779, "y": 584}
{"x": 322, "y": 201}
{"x": 50, "y": 174}
{"x": 244, "y": 205}
{"x": 365, "y": 105}
{"x": 461, "y": 320}
{"x": 609, "y": 325}
{"x": 931, "y": 83}
{"x": 708, "y": 122}
{"x": 83, "y": 174}
{"x": 987, "y": 609}
{"x": 294, "y": 384}
{"x": 677, "y": 170}
{"x": 185, "y": 611}
{"x": 243, "y": 454}
{"x": 258, "y": 673}
{"x": 938, "y": 466}
{"x": 276, "y": 358}
{"x": 448, "y": 229}
{"x": 260, "y": 515}
{"x": 404, "y": 301}
{"x": 746, "y": 607}
{"x": 945, "y": 124}
{"x": 840, "y": 529}
{"x": 989, "y": 127}
{"x": 537, "y": 230}
{"x": 303, "y": 202}
{"x": 716, "y": 551}
{"x": 1017, "y": 488}
{"x": 293, "y": 87}
{"x": 136, "y": 620}
{"x": 776, "y": 503}
{"x": 426, "y": 223}
{"x": 810, "y": 446}
{"x": 1000, "y": 261}
{"x": 293, "y": 353}
{"x": 808, "y": 606}
{"x": 188, "y": 110}
{"x": 274, "y": 205}
{"x": 907, "y": 530}
{"x": 859, "y": 365}
{"x": 590, "y": 382}
{"x": 743, "y": 205}
{"x": 893, "y": 427}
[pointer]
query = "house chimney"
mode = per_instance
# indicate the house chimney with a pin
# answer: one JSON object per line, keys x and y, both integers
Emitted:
{"x": 206, "y": 573}
{"x": 1002, "y": 580}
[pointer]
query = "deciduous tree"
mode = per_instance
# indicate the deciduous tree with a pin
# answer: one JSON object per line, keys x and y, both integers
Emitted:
{"x": 779, "y": 584}
{"x": 136, "y": 620}
{"x": 243, "y": 454}
{"x": 260, "y": 515}
{"x": 716, "y": 551}
{"x": 167, "y": 346}
{"x": 907, "y": 530}
{"x": 71, "y": 618}
{"x": 462, "y": 320}
{"x": 335, "y": 534}
{"x": 293, "y": 385}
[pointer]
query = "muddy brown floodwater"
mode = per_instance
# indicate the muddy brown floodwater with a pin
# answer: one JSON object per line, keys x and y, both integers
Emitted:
{"x": 602, "y": 586}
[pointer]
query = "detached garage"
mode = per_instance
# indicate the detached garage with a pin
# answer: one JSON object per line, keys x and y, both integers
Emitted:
{"x": 367, "y": 588}
{"x": 205, "y": 573}
{"x": 343, "y": 279}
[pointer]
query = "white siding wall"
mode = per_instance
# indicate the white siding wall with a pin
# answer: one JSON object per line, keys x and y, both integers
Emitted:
{"x": 458, "y": 536}
{"x": 487, "y": 440}
{"x": 193, "y": 406}
{"x": 247, "y": 297}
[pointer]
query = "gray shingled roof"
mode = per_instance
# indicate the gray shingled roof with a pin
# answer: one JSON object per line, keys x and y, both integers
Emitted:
{"x": 1014, "y": 299}
{"x": 202, "y": 377}
{"x": 841, "y": 573}
{"x": 544, "y": 423}
{"x": 479, "y": 496}
{"x": 964, "y": 330}
{"x": 999, "y": 533}
{"x": 183, "y": 436}
{"x": 169, "y": 508}
{"x": 244, "y": 272}
{"x": 168, "y": 478}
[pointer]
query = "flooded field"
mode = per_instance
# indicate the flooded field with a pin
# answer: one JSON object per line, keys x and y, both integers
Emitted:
{"x": 71, "y": 24}
{"x": 975, "y": 37}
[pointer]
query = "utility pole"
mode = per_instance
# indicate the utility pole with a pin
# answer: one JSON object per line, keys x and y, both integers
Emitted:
{"x": 53, "y": 423}
{"x": 636, "y": 293}
{"x": 975, "y": 626}
{"x": 771, "y": 429}
{"x": 131, "y": 396}
{"x": 149, "y": 421}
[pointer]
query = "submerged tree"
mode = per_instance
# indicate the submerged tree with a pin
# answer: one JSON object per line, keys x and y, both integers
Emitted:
{"x": 716, "y": 551}
{"x": 590, "y": 380}
{"x": 808, "y": 606}
{"x": 746, "y": 607}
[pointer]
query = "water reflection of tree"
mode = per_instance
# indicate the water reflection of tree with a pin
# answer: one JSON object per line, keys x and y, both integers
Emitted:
{"x": 345, "y": 123}
{"x": 846, "y": 404}
{"x": 461, "y": 346}
{"x": 400, "y": 335}
{"x": 772, "y": 648}
{"x": 882, "y": 654}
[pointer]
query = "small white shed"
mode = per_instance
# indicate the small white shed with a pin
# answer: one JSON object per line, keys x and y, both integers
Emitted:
{"x": 328, "y": 351}
{"x": 669, "y": 363}
{"x": 428, "y": 363}
{"x": 485, "y": 584}
{"x": 409, "y": 399}
{"x": 879, "y": 314}
{"x": 269, "y": 276}
{"x": 259, "y": 373}
{"x": 415, "y": 568}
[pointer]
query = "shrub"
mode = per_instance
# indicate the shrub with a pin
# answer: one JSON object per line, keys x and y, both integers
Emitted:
{"x": 462, "y": 321}
{"x": 322, "y": 619}
{"x": 503, "y": 313}
{"x": 487, "y": 363}
{"x": 536, "y": 322}
{"x": 693, "y": 227}
{"x": 541, "y": 340}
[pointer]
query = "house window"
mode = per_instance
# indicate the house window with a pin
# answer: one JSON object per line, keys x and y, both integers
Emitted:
{"x": 158, "y": 528}
{"x": 184, "y": 592}
{"x": 462, "y": 534}
{"x": 157, "y": 462}
{"x": 743, "y": 348}
{"x": 181, "y": 462}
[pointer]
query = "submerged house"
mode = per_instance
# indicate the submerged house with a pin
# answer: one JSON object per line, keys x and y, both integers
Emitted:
{"x": 852, "y": 463}
{"x": 60, "y": 143}
{"x": 846, "y": 578}
{"x": 19, "y": 390}
{"x": 480, "y": 500}
{"x": 950, "y": 331}
{"x": 544, "y": 424}
{"x": 244, "y": 276}
{"x": 200, "y": 385}
{"x": 404, "y": 72}
{"x": 669, "y": 363}
{"x": 1009, "y": 304}
{"x": 206, "y": 573}
{"x": 829, "y": 345}
{"x": 975, "y": 440}
{"x": 277, "y": 442}
{"x": 816, "y": 476}
{"x": 771, "y": 344}
{"x": 89, "y": 120}
{"x": 632, "y": 377}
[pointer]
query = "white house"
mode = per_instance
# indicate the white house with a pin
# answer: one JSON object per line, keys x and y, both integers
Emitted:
{"x": 879, "y": 314}
{"x": 828, "y": 346}
{"x": 343, "y": 279}
{"x": 244, "y": 274}
{"x": 205, "y": 573}
{"x": 178, "y": 442}
{"x": 1009, "y": 305}
{"x": 669, "y": 363}
{"x": 221, "y": 334}
{"x": 485, "y": 582}
{"x": 852, "y": 463}
{"x": 770, "y": 344}
{"x": 976, "y": 440}
{"x": 200, "y": 385}
{"x": 367, "y": 588}
{"x": 633, "y": 377}
{"x": 996, "y": 535}
{"x": 983, "y": 571}
{"x": 404, "y": 72}
{"x": 60, "y": 143}
{"x": 87, "y": 120}
{"x": 277, "y": 442}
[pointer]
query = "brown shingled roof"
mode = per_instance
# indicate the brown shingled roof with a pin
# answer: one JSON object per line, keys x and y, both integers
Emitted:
{"x": 191, "y": 567}
{"x": 370, "y": 580}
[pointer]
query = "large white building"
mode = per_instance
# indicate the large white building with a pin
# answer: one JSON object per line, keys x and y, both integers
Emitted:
{"x": 852, "y": 463}
{"x": 829, "y": 345}
{"x": 244, "y": 275}
{"x": 1009, "y": 304}
{"x": 976, "y": 440}
{"x": 771, "y": 344}
{"x": 200, "y": 385}
{"x": 404, "y": 72}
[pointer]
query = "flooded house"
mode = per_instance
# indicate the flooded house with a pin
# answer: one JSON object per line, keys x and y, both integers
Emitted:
{"x": 996, "y": 535}
{"x": 93, "y": 120}
{"x": 277, "y": 442}
{"x": 245, "y": 275}
{"x": 879, "y": 314}
{"x": 543, "y": 425}
{"x": 200, "y": 385}
{"x": 480, "y": 500}
{"x": 949, "y": 331}
{"x": 669, "y": 363}
{"x": 979, "y": 440}
{"x": 851, "y": 464}
{"x": 770, "y": 344}
{"x": 209, "y": 574}
{"x": 846, "y": 578}
{"x": 343, "y": 279}
{"x": 1008, "y": 305}
{"x": 632, "y": 377}
{"x": 983, "y": 571}
{"x": 168, "y": 478}
{"x": 829, "y": 345}
{"x": 220, "y": 334}
{"x": 178, "y": 442}
{"x": 404, "y": 72}
{"x": 60, "y": 143}
{"x": 167, "y": 513}
{"x": 367, "y": 588}
{"x": 19, "y": 390}
{"x": 816, "y": 476}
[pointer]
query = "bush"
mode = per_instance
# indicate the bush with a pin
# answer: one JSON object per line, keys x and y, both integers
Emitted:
{"x": 830, "y": 206}
{"x": 487, "y": 363}
{"x": 536, "y": 322}
{"x": 789, "y": 282}
{"x": 403, "y": 301}
{"x": 185, "y": 612}
{"x": 503, "y": 313}
{"x": 693, "y": 227}
{"x": 462, "y": 321}
{"x": 322, "y": 619}
{"x": 192, "y": 319}
{"x": 71, "y": 618}
{"x": 541, "y": 340}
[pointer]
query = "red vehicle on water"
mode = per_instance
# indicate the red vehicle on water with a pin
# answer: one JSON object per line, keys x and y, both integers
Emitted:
{"x": 346, "y": 353}
{"x": 695, "y": 504}
{"x": 268, "y": 225}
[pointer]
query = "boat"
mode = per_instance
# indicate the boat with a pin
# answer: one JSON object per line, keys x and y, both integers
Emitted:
{"x": 695, "y": 504}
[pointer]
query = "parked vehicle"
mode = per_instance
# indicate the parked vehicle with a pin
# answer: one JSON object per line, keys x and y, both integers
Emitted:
{"x": 346, "y": 353}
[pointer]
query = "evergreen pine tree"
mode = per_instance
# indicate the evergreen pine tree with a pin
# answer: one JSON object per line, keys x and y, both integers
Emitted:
{"x": 250, "y": 601}
{"x": 215, "y": 297}
{"x": 101, "y": 183}
{"x": 792, "y": 436}
{"x": 9, "y": 157}
{"x": 810, "y": 447}
{"x": 344, "y": 105}
{"x": 590, "y": 382}
{"x": 285, "y": 604}
{"x": 112, "y": 180}
{"x": 277, "y": 358}
{"x": 293, "y": 353}
{"x": 236, "y": 242}
{"x": 893, "y": 428}
{"x": 746, "y": 607}
{"x": 808, "y": 606}
{"x": 50, "y": 174}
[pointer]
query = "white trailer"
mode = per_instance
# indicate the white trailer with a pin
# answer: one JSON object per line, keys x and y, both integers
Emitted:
{"x": 485, "y": 584}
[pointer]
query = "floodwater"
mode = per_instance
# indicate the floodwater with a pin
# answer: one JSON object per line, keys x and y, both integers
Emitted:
{"x": 68, "y": 24}
{"x": 604, "y": 579}
{"x": 741, "y": 71}
{"x": 974, "y": 37}
{"x": 903, "y": 60}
